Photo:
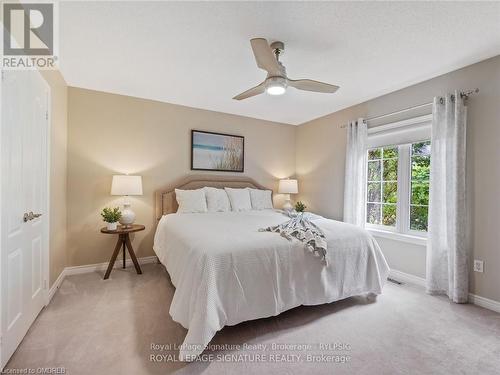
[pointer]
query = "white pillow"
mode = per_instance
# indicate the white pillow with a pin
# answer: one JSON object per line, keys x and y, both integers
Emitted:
{"x": 191, "y": 201}
{"x": 239, "y": 198}
{"x": 261, "y": 199}
{"x": 217, "y": 200}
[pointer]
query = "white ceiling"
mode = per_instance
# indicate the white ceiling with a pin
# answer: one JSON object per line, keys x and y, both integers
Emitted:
{"x": 198, "y": 53}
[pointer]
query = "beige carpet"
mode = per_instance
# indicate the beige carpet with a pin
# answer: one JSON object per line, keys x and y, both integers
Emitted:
{"x": 107, "y": 327}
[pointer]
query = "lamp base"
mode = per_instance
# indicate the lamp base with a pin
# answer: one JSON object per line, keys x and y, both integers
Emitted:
{"x": 128, "y": 216}
{"x": 288, "y": 205}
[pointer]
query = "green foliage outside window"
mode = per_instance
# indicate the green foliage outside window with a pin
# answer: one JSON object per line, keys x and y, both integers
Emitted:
{"x": 390, "y": 170}
{"x": 382, "y": 187}
{"x": 420, "y": 173}
{"x": 389, "y": 214}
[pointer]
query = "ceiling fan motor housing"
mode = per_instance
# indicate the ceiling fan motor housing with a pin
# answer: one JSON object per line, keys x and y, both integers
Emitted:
{"x": 280, "y": 46}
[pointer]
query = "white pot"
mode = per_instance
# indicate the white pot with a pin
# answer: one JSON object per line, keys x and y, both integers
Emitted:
{"x": 112, "y": 226}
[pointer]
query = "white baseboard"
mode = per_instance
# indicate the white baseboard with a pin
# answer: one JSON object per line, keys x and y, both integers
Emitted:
{"x": 406, "y": 277}
{"x": 57, "y": 284}
{"x": 473, "y": 298}
{"x": 76, "y": 270}
{"x": 484, "y": 302}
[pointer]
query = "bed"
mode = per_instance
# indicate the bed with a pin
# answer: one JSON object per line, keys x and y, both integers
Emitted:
{"x": 226, "y": 271}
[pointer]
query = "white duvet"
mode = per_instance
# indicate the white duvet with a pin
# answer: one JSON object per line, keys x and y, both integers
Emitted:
{"x": 225, "y": 271}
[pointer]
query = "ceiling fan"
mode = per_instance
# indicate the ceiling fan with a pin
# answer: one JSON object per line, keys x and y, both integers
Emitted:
{"x": 276, "y": 82}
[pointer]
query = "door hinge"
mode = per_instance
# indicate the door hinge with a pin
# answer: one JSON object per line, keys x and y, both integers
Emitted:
{"x": 2, "y": 75}
{"x": 44, "y": 284}
{"x": 46, "y": 115}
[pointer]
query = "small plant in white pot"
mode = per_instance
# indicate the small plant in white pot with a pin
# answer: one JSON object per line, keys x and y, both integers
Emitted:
{"x": 300, "y": 207}
{"x": 111, "y": 217}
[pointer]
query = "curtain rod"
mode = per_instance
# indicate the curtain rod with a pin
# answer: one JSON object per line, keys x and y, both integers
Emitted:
{"x": 463, "y": 94}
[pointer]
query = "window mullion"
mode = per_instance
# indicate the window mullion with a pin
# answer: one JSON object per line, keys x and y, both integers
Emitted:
{"x": 398, "y": 205}
{"x": 382, "y": 187}
{"x": 404, "y": 188}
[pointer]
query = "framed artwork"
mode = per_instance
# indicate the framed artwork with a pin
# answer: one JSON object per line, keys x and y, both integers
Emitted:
{"x": 217, "y": 152}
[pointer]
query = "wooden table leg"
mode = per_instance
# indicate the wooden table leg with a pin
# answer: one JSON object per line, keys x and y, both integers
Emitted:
{"x": 132, "y": 254}
{"x": 113, "y": 257}
{"x": 124, "y": 266}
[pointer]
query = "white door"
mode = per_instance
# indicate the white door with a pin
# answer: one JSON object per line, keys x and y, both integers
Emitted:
{"x": 23, "y": 191}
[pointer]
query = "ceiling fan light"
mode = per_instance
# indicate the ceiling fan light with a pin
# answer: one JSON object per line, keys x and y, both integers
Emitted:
{"x": 275, "y": 90}
{"x": 276, "y": 86}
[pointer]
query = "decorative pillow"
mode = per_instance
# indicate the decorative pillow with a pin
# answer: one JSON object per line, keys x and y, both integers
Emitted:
{"x": 261, "y": 199}
{"x": 217, "y": 200}
{"x": 239, "y": 198}
{"x": 191, "y": 201}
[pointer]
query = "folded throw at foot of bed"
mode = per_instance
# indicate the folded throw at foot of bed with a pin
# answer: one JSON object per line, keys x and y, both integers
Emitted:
{"x": 304, "y": 230}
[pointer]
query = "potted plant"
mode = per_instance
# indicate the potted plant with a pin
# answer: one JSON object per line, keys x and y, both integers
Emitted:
{"x": 111, "y": 217}
{"x": 300, "y": 207}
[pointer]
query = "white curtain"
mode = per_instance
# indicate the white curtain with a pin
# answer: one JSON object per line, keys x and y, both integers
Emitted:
{"x": 355, "y": 172}
{"x": 447, "y": 245}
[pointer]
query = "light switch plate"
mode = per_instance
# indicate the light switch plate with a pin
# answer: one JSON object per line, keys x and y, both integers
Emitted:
{"x": 478, "y": 265}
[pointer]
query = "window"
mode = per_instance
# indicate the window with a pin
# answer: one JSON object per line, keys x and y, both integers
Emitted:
{"x": 397, "y": 187}
{"x": 420, "y": 171}
{"x": 382, "y": 188}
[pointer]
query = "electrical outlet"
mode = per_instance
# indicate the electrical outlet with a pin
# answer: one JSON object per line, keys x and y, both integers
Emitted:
{"x": 478, "y": 265}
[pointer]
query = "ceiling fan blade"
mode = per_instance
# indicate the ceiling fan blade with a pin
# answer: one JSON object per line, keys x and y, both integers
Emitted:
{"x": 251, "y": 92}
{"x": 264, "y": 56}
{"x": 311, "y": 85}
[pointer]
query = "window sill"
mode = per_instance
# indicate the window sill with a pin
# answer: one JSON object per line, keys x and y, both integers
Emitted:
{"x": 408, "y": 238}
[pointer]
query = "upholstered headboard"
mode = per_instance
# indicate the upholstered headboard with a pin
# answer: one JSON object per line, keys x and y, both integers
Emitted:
{"x": 165, "y": 198}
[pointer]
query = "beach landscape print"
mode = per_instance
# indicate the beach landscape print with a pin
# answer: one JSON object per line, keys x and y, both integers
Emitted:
{"x": 217, "y": 152}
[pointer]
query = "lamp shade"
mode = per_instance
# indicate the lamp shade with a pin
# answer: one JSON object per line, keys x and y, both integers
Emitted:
{"x": 288, "y": 187}
{"x": 126, "y": 185}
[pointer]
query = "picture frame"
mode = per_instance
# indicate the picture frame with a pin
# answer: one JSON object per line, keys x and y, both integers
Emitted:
{"x": 220, "y": 152}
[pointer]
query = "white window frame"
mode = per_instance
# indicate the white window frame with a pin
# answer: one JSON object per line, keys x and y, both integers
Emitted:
{"x": 381, "y": 227}
{"x": 401, "y": 231}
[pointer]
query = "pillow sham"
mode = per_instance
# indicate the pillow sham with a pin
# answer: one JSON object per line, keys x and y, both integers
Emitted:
{"x": 239, "y": 198}
{"x": 217, "y": 200}
{"x": 191, "y": 201}
{"x": 261, "y": 199}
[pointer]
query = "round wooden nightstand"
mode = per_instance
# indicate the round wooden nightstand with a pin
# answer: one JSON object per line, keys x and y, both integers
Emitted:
{"x": 123, "y": 241}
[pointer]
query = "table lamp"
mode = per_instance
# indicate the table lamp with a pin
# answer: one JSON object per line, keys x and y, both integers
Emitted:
{"x": 126, "y": 185}
{"x": 288, "y": 187}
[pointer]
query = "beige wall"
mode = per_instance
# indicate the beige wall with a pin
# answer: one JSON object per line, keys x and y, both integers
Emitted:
{"x": 112, "y": 134}
{"x": 320, "y": 164}
{"x": 58, "y": 151}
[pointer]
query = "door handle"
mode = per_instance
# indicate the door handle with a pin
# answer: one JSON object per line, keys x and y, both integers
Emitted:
{"x": 30, "y": 216}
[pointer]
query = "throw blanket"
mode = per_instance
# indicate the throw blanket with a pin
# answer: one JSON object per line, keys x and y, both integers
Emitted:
{"x": 303, "y": 229}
